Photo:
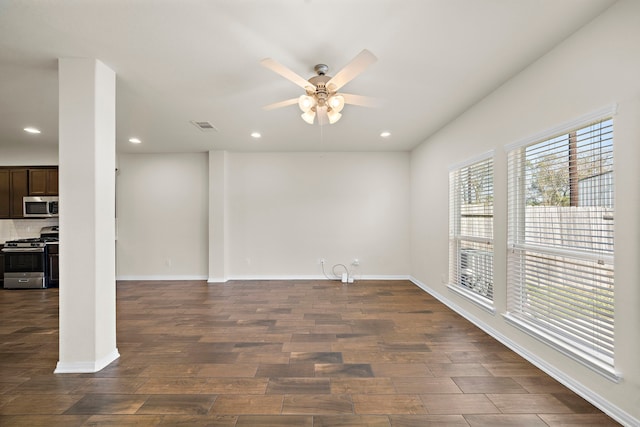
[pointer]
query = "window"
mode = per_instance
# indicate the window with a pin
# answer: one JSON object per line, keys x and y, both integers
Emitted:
{"x": 471, "y": 230}
{"x": 560, "y": 242}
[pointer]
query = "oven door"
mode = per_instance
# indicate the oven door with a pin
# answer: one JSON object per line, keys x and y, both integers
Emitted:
{"x": 24, "y": 268}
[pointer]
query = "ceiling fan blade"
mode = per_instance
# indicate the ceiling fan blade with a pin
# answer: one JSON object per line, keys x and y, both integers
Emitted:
{"x": 363, "y": 101}
{"x": 352, "y": 70}
{"x": 285, "y": 72}
{"x": 280, "y": 104}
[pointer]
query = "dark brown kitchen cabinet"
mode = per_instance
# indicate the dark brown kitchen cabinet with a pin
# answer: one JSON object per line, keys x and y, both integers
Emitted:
{"x": 5, "y": 193}
{"x": 1, "y": 267}
{"x": 14, "y": 185}
{"x": 19, "y": 181}
{"x": 43, "y": 182}
{"x": 53, "y": 271}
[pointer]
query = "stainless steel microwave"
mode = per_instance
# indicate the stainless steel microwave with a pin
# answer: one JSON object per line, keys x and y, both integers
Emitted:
{"x": 39, "y": 207}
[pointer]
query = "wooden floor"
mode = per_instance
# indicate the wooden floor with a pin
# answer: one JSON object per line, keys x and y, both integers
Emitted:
{"x": 277, "y": 353}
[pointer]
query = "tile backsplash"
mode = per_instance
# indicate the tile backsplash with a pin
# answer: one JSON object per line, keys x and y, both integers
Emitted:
{"x": 11, "y": 229}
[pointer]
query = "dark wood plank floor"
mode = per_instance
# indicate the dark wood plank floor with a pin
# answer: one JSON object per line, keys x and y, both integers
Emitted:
{"x": 276, "y": 353}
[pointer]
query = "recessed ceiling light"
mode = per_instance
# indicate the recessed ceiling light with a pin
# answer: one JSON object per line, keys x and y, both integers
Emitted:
{"x": 31, "y": 130}
{"x": 385, "y": 134}
{"x": 256, "y": 135}
{"x": 134, "y": 140}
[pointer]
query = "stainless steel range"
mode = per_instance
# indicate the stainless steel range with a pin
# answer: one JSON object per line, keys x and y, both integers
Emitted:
{"x": 25, "y": 260}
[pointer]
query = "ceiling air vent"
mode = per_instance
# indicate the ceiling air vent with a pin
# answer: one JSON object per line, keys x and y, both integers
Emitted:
{"x": 204, "y": 126}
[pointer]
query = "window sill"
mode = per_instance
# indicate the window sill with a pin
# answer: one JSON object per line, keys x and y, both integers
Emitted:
{"x": 555, "y": 342}
{"x": 482, "y": 302}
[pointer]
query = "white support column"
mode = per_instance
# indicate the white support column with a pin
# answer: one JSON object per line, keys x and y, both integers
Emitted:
{"x": 217, "y": 216}
{"x": 87, "y": 215}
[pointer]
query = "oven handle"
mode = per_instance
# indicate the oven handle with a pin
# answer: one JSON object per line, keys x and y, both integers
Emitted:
{"x": 18, "y": 250}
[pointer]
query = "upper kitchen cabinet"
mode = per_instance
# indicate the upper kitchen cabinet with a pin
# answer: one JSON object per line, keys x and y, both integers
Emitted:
{"x": 5, "y": 193}
{"x": 43, "y": 182}
{"x": 14, "y": 185}
{"x": 19, "y": 181}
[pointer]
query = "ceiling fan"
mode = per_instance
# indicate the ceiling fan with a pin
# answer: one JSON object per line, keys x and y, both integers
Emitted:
{"x": 322, "y": 98}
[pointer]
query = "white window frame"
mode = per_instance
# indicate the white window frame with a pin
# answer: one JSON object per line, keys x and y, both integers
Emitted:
{"x": 521, "y": 262}
{"x": 471, "y": 273}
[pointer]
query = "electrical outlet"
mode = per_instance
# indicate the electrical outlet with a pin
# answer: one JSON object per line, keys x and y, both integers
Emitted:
{"x": 321, "y": 261}
{"x": 356, "y": 262}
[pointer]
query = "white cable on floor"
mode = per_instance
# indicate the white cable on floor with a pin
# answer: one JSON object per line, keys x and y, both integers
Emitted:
{"x": 346, "y": 270}
{"x": 333, "y": 271}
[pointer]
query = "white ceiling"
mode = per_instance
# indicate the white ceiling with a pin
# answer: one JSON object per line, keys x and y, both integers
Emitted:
{"x": 183, "y": 60}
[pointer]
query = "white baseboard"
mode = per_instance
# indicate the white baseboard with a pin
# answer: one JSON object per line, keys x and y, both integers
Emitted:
{"x": 305, "y": 277}
{"x": 87, "y": 367}
{"x": 384, "y": 277}
{"x": 162, "y": 277}
{"x": 275, "y": 277}
{"x": 597, "y": 400}
{"x": 259, "y": 277}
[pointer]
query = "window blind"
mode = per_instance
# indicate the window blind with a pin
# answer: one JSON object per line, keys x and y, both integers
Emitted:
{"x": 471, "y": 228}
{"x": 561, "y": 220}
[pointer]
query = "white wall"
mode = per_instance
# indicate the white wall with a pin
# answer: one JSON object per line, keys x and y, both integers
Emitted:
{"x": 28, "y": 155}
{"x": 596, "y": 67}
{"x": 287, "y": 210}
{"x": 162, "y": 210}
{"x": 283, "y": 211}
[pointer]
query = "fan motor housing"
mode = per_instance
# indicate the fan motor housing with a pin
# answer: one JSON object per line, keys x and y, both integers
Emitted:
{"x": 321, "y": 91}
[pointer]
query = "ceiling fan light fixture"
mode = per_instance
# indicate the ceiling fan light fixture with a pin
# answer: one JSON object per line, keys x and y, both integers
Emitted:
{"x": 336, "y": 102}
{"x": 323, "y": 114}
{"x": 306, "y": 103}
{"x": 334, "y": 116}
{"x": 308, "y": 116}
{"x": 321, "y": 99}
